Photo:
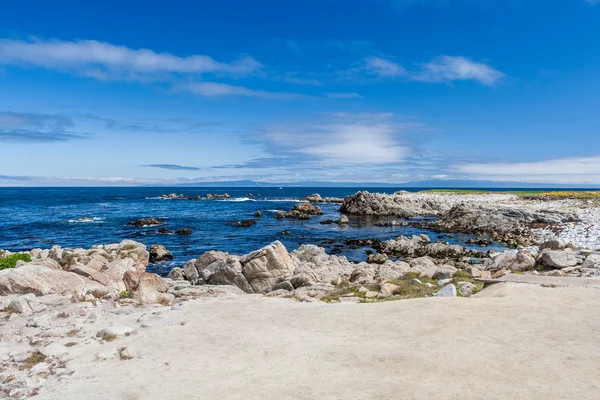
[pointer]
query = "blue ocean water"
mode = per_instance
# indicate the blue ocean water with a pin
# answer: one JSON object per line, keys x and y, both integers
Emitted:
{"x": 43, "y": 217}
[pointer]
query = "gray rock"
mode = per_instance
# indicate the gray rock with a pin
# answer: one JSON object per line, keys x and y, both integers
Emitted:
{"x": 558, "y": 259}
{"x": 512, "y": 261}
{"x": 377, "y": 258}
{"x": 176, "y": 274}
{"x": 447, "y": 291}
{"x": 266, "y": 267}
{"x": 285, "y": 285}
{"x": 466, "y": 288}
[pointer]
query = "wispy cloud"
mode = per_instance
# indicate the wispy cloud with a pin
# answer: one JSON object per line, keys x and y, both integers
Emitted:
{"x": 214, "y": 89}
{"x": 172, "y": 167}
{"x": 448, "y": 69}
{"x": 563, "y": 170}
{"x": 383, "y": 67}
{"x": 36, "y": 128}
{"x": 102, "y": 60}
{"x": 439, "y": 70}
{"x": 340, "y": 95}
{"x": 340, "y": 139}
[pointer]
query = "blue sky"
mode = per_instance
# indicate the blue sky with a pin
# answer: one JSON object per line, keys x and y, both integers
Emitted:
{"x": 128, "y": 92}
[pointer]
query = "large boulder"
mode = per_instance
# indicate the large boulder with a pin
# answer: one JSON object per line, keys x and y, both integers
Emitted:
{"x": 512, "y": 261}
{"x": 40, "y": 280}
{"x": 557, "y": 259}
{"x": 229, "y": 272}
{"x": 268, "y": 266}
{"x": 397, "y": 204}
{"x": 148, "y": 288}
{"x": 315, "y": 265}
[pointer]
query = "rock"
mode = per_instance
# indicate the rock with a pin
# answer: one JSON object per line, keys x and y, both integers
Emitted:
{"x": 258, "y": 214}
{"x": 416, "y": 281}
{"x": 400, "y": 205}
{"x": 184, "y": 232}
{"x": 444, "y": 272}
{"x": 285, "y": 285}
{"x": 41, "y": 281}
{"x": 115, "y": 331}
{"x": 592, "y": 262}
{"x": 91, "y": 273}
{"x": 201, "y": 270}
{"x": 209, "y": 291}
{"x": 165, "y": 231}
{"x": 447, "y": 291}
{"x": 176, "y": 274}
{"x": 474, "y": 272}
{"x": 266, "y": 267}
{"x": 388, "y": 289}
{"x": 326, "y": 222}
{"x": 143, "y": 222}
{"x": 444, "y": 282}
{"x": 278, "y": 293}
{"x": 371, "y": 294}
{"x": 244, "y": 223}
{"x": 230, "y": 272}
{"x": 377, "y": 258}
{"x": 343, "y": 220}
{"x": 466, "y": 289}
{"x": 513, "y": 261}
{"x": 158, "y": 253}
{"x": 301, "y": 279}
{"x": 301, "y": 211}
{"x": 148, "y": 288}
{"x": 21, "y": 305}
{"x": 554, "y": 244}
{"x": 558, "y": 259}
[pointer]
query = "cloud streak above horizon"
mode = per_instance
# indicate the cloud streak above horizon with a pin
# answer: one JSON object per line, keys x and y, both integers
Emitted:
{"x": 105, "y": 61}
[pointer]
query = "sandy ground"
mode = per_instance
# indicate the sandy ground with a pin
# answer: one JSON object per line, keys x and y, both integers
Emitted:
{"x": 514, "y": 341}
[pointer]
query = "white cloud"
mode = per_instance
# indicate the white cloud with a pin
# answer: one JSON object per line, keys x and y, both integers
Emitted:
{"x": 563, "y": 170}
{"x": 102, "y": 60}
{"x": 340, "y": 95}
{"x": 214, "y": 89}
{"x": 383, "y": 67}
{"x": 341, "y": 140}
{"x": 593, "y": 1}
{"x": 447, "y": 68}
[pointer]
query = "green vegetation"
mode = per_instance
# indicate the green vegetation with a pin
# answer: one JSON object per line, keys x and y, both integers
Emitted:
{"x": 108, "y": 337}
{"x": 126, "y": 294}
{"x": 11, "y": 261}
{"x": 35, "y": 358}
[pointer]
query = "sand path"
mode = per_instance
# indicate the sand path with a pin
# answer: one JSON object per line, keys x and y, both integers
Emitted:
{"x": 515, "y": 341}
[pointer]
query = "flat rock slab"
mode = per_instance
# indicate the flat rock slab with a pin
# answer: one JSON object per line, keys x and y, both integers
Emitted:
{"x": 544, "y": 280}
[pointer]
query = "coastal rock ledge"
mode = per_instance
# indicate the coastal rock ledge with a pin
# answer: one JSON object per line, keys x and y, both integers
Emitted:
{"x": 101, "y": 272}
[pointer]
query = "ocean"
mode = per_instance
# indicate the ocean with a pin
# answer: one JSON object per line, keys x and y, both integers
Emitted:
{"x": 43, "y": 217}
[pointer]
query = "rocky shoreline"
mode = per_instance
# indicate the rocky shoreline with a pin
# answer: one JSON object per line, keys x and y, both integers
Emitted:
{"x": 56, "y": 303}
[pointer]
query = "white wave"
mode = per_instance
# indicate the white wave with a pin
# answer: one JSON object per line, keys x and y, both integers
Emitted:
{"x": 274, "y": 211}
{"x": 86, "y": 220}
{"x": 154, "y": 198}
{"x": 239, "y": 199}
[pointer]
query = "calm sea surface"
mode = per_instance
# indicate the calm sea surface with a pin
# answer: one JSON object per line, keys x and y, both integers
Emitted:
{"x": 43, "y": 217}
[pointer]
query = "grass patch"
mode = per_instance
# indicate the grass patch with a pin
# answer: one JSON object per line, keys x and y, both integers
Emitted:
{"x": 11, "y": 261}
{"x": 108, "y": 337}
{"x": 346, "y": 290}
{"x": 125, "y": 294}
{"x": 35, "y": 358}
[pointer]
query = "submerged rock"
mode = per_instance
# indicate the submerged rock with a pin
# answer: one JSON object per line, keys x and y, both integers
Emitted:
{"x": 146, "y": 222}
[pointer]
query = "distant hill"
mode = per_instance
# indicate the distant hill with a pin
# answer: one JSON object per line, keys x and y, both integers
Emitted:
{"x": 431, "y": 184}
